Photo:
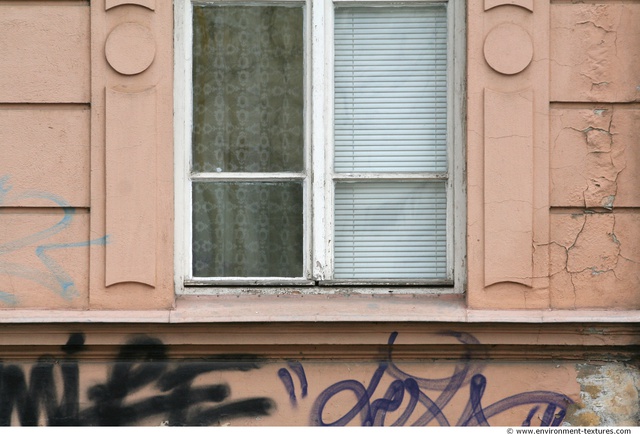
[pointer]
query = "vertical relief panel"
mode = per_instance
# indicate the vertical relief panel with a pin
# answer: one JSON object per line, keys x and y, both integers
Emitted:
{"x": 131, "y": 127}
{"x": 131, "y": 154}
{"x": 508, "y": 155}
{"x": 508, "y": 187}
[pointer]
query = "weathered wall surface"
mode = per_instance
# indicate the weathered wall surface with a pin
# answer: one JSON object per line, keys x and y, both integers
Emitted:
{"x": 144, "y": 381}
{"x": 45, "y": 142}
{"x": 87, "y": 167}
{"x": 608, "y": 395}
{"x": 86, "y": 225}
{"x": 552, "y": 155}
{"x": 594, "y": 143}
{"x": 569, "y": 166}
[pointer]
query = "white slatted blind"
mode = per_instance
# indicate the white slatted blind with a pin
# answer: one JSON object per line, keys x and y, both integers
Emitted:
{"x": 390, "y": 89}
{"x": 390, "y": 230}
{"x": 390, "y": 117}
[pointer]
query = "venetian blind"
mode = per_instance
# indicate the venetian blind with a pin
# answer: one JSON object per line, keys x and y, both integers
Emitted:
{"x": 390, "y": 89}
{"x": 390, "y": 108}
{"x": 390, "y": 230}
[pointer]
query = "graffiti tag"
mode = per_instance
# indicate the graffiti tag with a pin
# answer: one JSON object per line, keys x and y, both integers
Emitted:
{"x": 422, "y": 409}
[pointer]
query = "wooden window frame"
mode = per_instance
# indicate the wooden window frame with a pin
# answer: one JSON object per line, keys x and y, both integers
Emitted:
{"x": 318, "y": 118}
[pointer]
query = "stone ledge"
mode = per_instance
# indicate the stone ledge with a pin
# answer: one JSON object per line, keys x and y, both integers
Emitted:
{"x": 319, "y": 309}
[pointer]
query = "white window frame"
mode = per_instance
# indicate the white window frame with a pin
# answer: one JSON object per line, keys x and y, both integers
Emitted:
{"x": 318, "y": 118}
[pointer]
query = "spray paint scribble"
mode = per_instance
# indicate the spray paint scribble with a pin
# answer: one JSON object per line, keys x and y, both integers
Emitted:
{"x": 54, "y": 277}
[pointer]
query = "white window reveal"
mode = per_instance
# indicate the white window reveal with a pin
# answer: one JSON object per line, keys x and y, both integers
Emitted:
{"x": 318, "y": 143}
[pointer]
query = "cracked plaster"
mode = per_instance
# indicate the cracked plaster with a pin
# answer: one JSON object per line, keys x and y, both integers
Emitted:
{"x": 594, "y": 55}
{"x": 594, "y": 260}
{"x": 595, "y": 157}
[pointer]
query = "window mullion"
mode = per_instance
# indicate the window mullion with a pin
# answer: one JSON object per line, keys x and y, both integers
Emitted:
{"x": 451, "y": 125}
{"x": 182, "y": 134}
{"x": 322, "y": 137}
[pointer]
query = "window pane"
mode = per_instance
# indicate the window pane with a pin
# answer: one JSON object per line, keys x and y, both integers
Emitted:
{"x": 247, "y": 89}
{"x": 244, "y": 229}
{"x": 391, "y": 89}
{"x": 391, "y": 230}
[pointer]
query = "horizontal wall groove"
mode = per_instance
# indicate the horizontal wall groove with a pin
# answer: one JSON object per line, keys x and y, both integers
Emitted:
{"x": 582, "y": 210}
{"x": 45, "y": 3}
{"x": 593, "y": 2}
{"x": 588, "y": 105}
{"x": 339, "y": 334}
{"x": 344, "y": 353}
{"x": 41, "y": 209}
{"x": 44, "y": 106}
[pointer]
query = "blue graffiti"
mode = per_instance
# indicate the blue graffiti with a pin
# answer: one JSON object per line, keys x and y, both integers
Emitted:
{"x": 55, "y": 278}
{"x": 287, "y": 380}
{"x": 466, "y": 375}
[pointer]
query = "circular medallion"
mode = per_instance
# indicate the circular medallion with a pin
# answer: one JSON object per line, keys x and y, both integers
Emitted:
{"x": 130, "y": 48}
{"x": 508, "y": 49}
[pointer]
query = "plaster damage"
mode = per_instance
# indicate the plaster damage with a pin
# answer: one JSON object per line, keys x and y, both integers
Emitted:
{"x": 601, "y": 190}
{"x": 594, "y": 174}
{"x": 608, "y": 396}
{"x": 594, "y": 260}
{"x": 594, "y": 53}
{"x": 597, "y": 229}
{"x": 590, "y": 151}
{"x": 594, "y": 156}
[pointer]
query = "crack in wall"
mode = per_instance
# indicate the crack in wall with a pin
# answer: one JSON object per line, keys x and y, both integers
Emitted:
{"x": 597, "y": 26}
{"x": 583, "y": 256}
{"x": 593, "y": 164}
{"x": 599, "y": 54}
{"x": 590, "y": 251}
{"x": 602, "y": 186}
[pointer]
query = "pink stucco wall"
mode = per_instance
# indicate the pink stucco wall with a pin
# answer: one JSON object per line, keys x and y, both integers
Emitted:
{"x": 551, "y": 160}
{"x": 552, "y": 292}
{"x": 555, "y": 141}
{"x": 411, "y": 377}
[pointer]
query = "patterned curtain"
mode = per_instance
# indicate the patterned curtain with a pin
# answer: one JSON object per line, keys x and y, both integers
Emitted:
{"x": 248, "y": 114}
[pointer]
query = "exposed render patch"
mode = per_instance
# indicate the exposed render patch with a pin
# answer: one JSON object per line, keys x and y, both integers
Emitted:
{"x": 608, "y": 394}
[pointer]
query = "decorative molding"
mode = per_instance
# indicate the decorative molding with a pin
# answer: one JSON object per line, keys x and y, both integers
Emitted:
{"x": 132, "y": 155}
{"x": 526, "y": 4}
{"x": 107, "y": 332}
{"x": 508, "y": 49}
{"x": 508, "y": 187}
{"x": 130, "y": 48}
{"x": 131, "y": 135}
{"x": 149, "y": 4}
{"x": 508, "y": 228}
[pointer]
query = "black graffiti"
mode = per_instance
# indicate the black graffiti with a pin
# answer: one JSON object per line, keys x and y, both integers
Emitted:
{"x": 142, "y": 362}
{"x": 421, "y": 408}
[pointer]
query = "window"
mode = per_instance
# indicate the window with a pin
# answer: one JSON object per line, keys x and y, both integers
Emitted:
{"x": 319, "y": 143}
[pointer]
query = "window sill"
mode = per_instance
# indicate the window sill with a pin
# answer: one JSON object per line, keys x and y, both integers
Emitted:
{"x": 318, "y": 309}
